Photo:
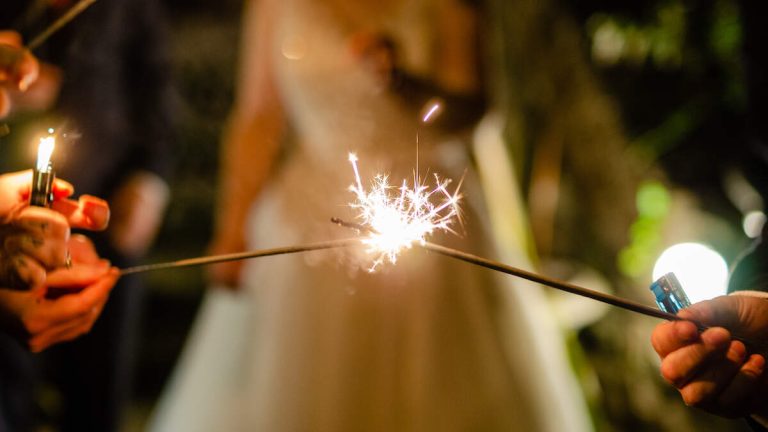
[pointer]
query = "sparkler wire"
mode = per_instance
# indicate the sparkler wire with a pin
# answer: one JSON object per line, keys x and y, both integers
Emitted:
{"x": 241, "y": 256}
{"x": 533, "y": 277}
{"x": 575, "y": 289}
{"x": 59, "y": 23}
{"x": 43, "y": 36}
{"x": 449, "y": 252}
{"x": 551, "y": 282}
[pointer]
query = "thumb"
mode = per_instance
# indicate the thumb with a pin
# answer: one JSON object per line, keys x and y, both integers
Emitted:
{"x": 720, "y": 311}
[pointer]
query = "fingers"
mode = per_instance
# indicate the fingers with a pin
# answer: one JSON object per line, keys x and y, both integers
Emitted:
{"x": 78, "y": 304}
{"x": 96, "y": 293}
{"x": 734, "y": 399}
{"x": 28, "y": 271}
{"x": 88, "y": 212}
{"x": 17, "y": 64}
{"x": 5, "y": 103}
{"x": 679, "y": 366}
{"x": 82, "y": 251}
{"x": 718, "y": 374}
{"x": 27, "y": 70}
{"x": 62, "y": 189}
{"x": 69, "y": 316}
{"x": 42, "y": 235}
{"x": 10, "y": 37}
{"x": 65, "y": 332}
{"x": 78, "y": 276}
{"x": 22, "y": 182}
{"x": 34, "y": 241}
{"x": 673, "y": 335}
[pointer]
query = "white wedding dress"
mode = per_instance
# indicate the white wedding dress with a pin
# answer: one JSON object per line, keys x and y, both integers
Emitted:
{"x": 313, "y": 342}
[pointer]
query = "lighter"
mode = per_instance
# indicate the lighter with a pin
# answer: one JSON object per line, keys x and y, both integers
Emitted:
{"x": 43, "y": 175}
{"x": 669, "y": 294}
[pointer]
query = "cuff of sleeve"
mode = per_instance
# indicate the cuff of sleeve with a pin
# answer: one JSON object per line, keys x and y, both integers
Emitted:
{"x": 751, "y": 293}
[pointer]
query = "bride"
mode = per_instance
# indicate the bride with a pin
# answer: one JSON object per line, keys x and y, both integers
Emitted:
{"x": 314, "y": 341}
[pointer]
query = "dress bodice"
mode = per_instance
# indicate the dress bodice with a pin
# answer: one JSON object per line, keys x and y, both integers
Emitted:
{"x": 335, "y": 103}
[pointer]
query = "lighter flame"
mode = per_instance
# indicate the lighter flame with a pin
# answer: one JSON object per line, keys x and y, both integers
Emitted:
{"x": 396, "y": 217}
{"x": 44, "y": 152}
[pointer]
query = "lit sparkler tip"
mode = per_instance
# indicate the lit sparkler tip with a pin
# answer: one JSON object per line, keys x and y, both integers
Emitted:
{"x": 352, "y": 157}
{"x": 395, "y": 217}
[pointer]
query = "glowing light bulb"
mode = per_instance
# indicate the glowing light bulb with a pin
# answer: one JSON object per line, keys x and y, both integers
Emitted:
{"x": 702, "y": 272}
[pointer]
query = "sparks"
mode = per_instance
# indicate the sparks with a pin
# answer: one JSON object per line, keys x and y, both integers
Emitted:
{"x": 396, "y": 217}
{"x": 432, "y": 110}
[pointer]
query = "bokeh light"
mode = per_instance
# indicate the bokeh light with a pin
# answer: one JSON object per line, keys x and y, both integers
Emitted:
{"x": 753, "y": 223}
{"x": 702, "y": 272}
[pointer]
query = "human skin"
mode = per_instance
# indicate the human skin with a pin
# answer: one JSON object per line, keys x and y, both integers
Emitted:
{"x": 714, "y": 370}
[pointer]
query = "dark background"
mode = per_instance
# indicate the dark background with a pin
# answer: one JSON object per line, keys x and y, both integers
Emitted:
{"x": 679, "y": 87}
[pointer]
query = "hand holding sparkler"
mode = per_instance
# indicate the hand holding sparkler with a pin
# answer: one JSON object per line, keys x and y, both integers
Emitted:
{"x": 39, "y": 262}
{"x": 33, "y": 240}
{"x": 38, "y": 319}
{"x": 18, "y": 69}
{"x": 712, "y": 370}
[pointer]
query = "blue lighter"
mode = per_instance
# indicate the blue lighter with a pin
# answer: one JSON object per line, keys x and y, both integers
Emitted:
{"x": 669, "y": 294}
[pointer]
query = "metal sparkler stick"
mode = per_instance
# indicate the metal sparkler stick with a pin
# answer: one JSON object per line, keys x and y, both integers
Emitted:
{"x": 573, "y": 289}
{"x": 43, "y": 36}
{"x": 74, "y": 11}
{"x": 240, "y": 256}
{"x": 551, "y": 282}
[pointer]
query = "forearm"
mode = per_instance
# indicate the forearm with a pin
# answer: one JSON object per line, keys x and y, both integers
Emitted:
{"x": 249, "y": 150}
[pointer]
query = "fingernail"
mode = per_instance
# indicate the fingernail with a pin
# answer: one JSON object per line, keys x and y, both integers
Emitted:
{"x": 24, "y": 83}
{"x": 758, "y": 361}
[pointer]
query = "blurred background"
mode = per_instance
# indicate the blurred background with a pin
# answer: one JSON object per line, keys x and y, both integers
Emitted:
{"x": 626, "y": 122}
{"x": 649, "y": 97}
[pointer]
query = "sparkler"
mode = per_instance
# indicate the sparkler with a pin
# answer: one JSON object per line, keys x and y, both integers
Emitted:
{"x": 395, "y": 221}
{"x": 533, "y": 277}
{"x": 392, "y": 219}
{"x": 397, "y": 217}
{"x": 73, "y": 12}
{"x": 43, "y": 36}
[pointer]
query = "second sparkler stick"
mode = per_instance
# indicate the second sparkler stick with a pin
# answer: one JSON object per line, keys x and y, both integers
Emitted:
{"x": 533, "y": 277}
{"x": 551, "y": 282}
{"x": 241, "y": 256}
